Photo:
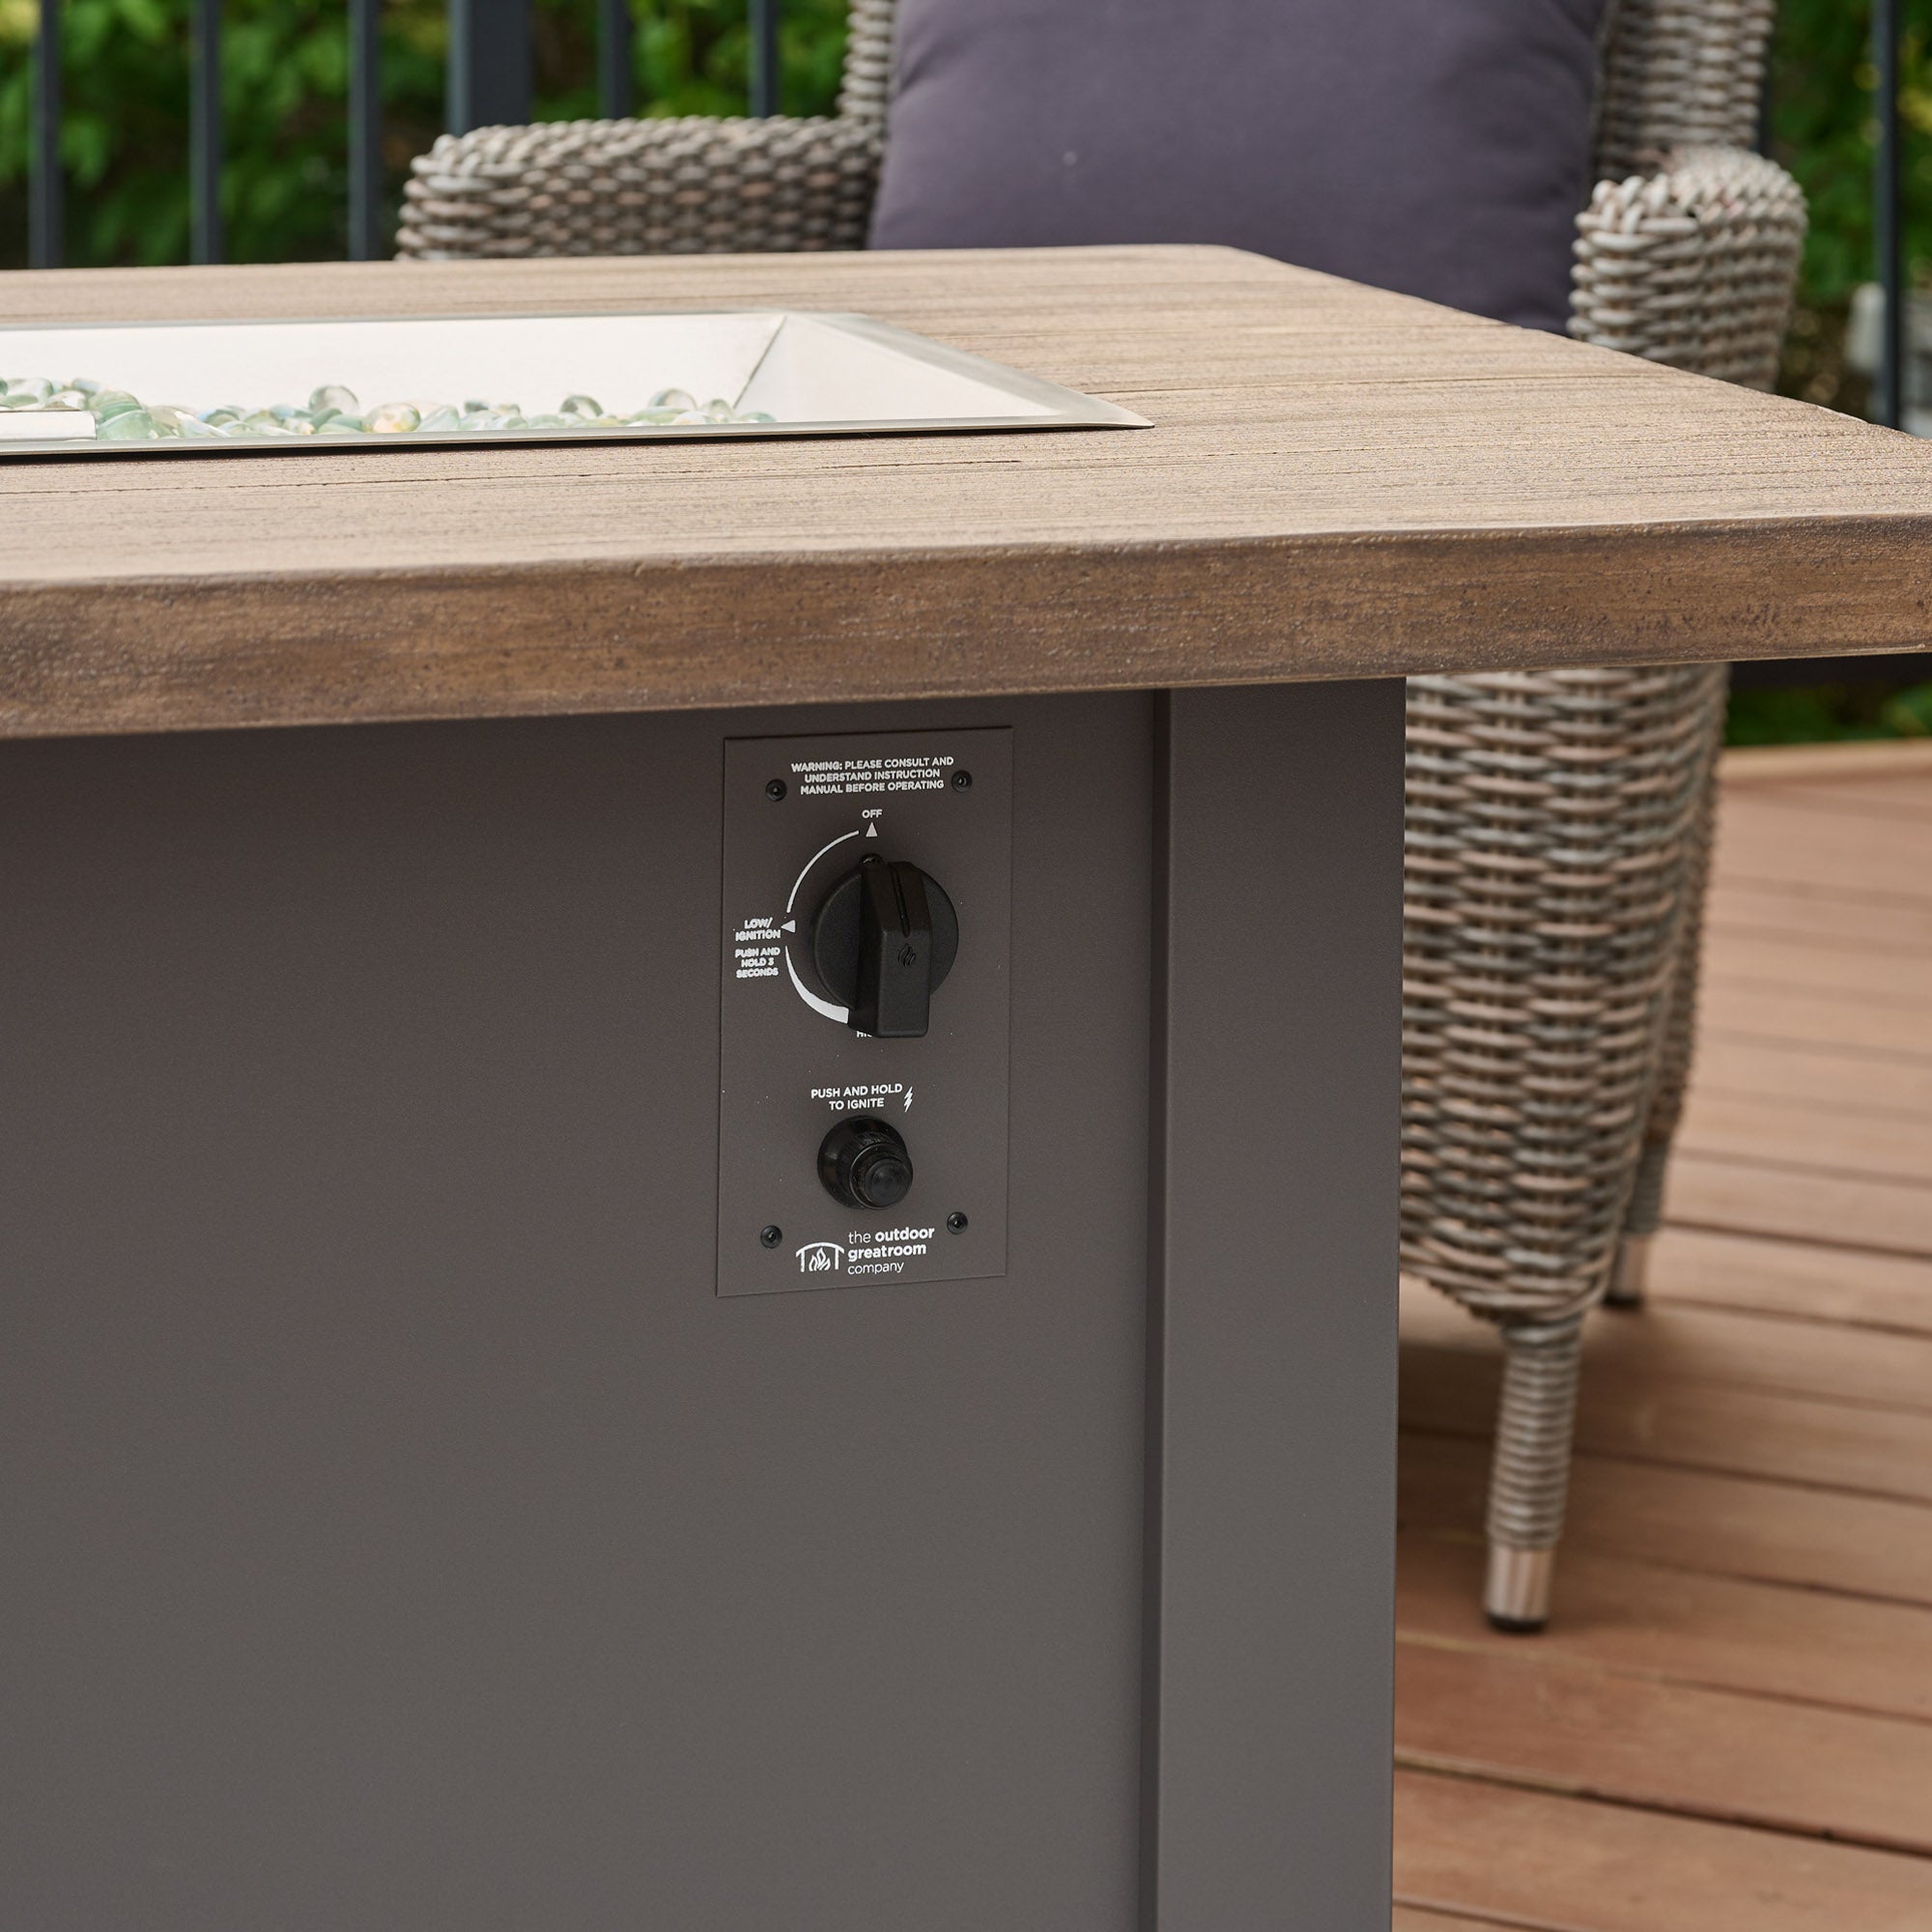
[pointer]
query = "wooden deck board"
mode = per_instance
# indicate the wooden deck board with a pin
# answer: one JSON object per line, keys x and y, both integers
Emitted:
{"x": 1729, "y": 1723}
{"x": 1704, "y": 1426}
{"x": 1528, "y": 1713}
{"x": 1776, "y": 907}
{"x": 1822, "y": 963}
{"x": 1720, "y": 1526}
{"x": 1816, "y": 1016}
{"x": 1696, "y": 1266}
{"x": 1778, "y": 1131}
{"x": 1734, "y": 1060}
{"x": 1800, "y": 1203}
{"x": 1540, "y": 1859}
{"x": 1630, "y": 1353}
{"x": 1683, "y": 1627}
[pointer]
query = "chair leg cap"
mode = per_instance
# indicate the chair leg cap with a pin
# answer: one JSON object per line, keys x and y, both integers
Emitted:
{"x": 1629, "y": 1277}
{"x": 1516, "y": 1626}
{"x": 1516, "y": 1596}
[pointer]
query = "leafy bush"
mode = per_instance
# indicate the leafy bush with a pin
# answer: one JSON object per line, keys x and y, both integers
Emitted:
{"x": 1824, "y": 128}
{"x": 124, "y": 133}
{"x": 1809, "y": 713}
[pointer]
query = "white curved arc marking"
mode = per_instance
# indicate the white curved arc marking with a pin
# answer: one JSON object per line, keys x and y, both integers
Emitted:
{"x": 811, "y": 861}
{"x": 811, "y": 1000}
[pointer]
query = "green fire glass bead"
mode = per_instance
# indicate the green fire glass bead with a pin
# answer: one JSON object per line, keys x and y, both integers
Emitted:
{"x": 333, "y": 400}
{"x": 107, "y": 404}
{"x": 134, "y": 425}
{"x": 674, "y": 400}
{"x": 580, "y": 406}
{"x": 394, "y": 419}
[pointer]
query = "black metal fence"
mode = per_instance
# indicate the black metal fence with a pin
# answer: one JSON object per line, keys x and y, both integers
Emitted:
{"x": 491, "y": 82}
{"x": 1887, "y": 399}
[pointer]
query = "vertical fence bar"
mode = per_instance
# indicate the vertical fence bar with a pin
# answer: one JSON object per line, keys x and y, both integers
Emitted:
{"x": 47, "y": 201}
{"x": 490, "y": 68}
{"x": 764, "y": 24}
{"x": 207, "y": 243}
{"x": 365, "y": 130}
{"x": 1889, "y": 389}
{"x": 617, "y": 93}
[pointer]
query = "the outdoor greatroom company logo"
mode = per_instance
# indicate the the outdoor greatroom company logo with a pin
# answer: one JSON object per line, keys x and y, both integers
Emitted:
{"x": 884, "y": 1252}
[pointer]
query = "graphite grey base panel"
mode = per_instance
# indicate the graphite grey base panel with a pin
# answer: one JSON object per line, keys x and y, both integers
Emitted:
{"x": 397, "y": 1531}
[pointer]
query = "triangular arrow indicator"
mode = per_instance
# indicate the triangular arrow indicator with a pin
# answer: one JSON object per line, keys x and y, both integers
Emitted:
{"x": 871, "y": 831}
{"x": 790, "y": 926}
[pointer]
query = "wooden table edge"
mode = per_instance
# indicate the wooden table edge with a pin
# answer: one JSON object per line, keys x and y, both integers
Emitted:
{"x": 702, "y": 631}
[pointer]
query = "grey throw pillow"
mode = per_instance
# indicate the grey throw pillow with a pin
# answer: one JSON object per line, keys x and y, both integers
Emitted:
{"x": 1438, "y": 147}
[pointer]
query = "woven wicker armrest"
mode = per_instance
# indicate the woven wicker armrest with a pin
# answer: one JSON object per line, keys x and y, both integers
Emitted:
{"x": 686, "y": 186}
{"x": 1692, "y": 265}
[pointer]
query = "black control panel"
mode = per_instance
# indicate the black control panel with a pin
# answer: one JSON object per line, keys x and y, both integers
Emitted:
{"x": 864, "y": 1055}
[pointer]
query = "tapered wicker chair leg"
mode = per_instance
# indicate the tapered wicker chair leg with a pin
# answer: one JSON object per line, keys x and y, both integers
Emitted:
{"x": 1529, "y": 1480}
{"x": 1629, "y": 1273}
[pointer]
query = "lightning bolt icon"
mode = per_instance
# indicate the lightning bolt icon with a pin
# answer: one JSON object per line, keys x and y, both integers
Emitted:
{"x": 908, "y": 1100}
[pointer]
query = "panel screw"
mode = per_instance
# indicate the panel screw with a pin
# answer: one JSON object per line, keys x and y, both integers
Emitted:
{"x": 962, "y": 780}
{"x": 956, "y": 1222}
{"x": 776, "y": 790}
{"x": 771, "y": 1237}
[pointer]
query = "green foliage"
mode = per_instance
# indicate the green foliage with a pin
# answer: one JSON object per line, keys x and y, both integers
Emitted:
{"x": 1808, "y": 714}
{"x": 124, "y": 133}
{"x": 1824, "y": 128}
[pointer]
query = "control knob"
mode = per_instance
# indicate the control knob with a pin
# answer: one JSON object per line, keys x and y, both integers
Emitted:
{"x": 883, "y": 941}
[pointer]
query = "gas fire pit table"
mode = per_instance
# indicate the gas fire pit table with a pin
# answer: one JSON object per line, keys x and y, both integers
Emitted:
{"x": 700, "y": 1188}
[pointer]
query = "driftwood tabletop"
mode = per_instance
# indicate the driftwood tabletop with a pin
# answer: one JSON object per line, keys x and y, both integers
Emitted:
{"x": 1340, "y": 483}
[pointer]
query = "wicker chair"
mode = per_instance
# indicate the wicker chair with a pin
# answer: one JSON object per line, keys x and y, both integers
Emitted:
{"x": 687, "y": 185}
{"x": 1557, "y": 822}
